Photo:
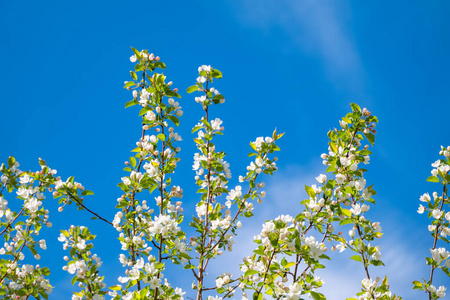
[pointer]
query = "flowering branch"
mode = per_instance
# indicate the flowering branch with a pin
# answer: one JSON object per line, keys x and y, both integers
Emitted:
{"x": 439, "y": 227}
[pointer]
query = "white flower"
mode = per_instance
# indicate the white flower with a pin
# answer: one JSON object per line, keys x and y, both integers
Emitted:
{"x": 201, "y": 210}
{"x": 436, "y": 164}
{"x": 341, "y": 247}
{"x": 321, "y": 178}
{"x": 200, "y": 99}
{"x": 365, "y": 208}
{"x": 81, "y": 245}
{"x": 123, "y": 260}
{"x": 345, "y": 161}
{"x": 377, "y": 254}
{"x": 150, "y": 115}
{"x": 425, "y": 197}
{"x": 201, "y": 79}
{"x": 439, "y": 254}
{"x": 126, "y": 180}
{"x": 155, "y": 282}
{"x": 259, "y": 142}
{"x": 440, "y": 292}
{"x": 356, "y": 209}
{"x": 25, "y": 179}
{"x": 133, "y": 58}
{"x": 123, "y": 279}
{"x": 215, "y": 124}
{"x": 444, "y": 169}
{"x": 360, "y": 184}
{"x": 340, "y": 179}
{"x": 376, "y": 226}
{"x": 42, "y": 244}
{"x": 421, "y": 209}
{"x": 437, "y": 214}
{"x": 204, "y": 68}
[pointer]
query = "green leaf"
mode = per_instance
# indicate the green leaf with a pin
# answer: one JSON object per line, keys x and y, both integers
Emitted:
{"x": 433, "y": 179}
{"x": 87, "y": 193}
{"x": 345, "y": 221}
{"x": 133, "y": 161}
{"x": 160, "y": 65}
{"x": 161, "y": 136}
{"x": 175, "y": 120}
{"x": 430, "y": 261}
{"x": 417, "y": 285}
{"x": 356, "y": 257}
{"x": 370, "y": 137}
{"x": 136, "y": 52}
{"x": 250, "y": 272}
{"x": 192, "y": 89}
{"x": 346, "y": 212}
{"x": 310, "y": 191}
{"x": 131, "y": 103}
{"x": 317, "y": 296}
{"x": 355, "y": 107}
{"x": 144, "y": 110}
{"x": 346, "y": 120}
{"x": 129, "y": 83}
{"x": 216, "y": 73}
{"x": 11, "y": 160}
{"x": 133, "y": 75}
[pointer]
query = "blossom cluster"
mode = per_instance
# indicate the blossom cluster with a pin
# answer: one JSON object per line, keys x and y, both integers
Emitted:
{"x": 217, "y": 219}
{"x": 82, "y": 263}
{"x": 148, "y": 227}
{"x": 438, "y": 208}
{"x": 20, "y": 230}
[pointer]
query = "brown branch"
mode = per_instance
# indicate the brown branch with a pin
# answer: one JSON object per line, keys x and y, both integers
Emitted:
{"x": 84, "y": 206}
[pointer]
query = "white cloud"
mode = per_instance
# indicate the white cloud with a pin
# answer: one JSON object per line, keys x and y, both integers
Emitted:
{"x": 318, "y": 27}
{"x": 343, "y": 276}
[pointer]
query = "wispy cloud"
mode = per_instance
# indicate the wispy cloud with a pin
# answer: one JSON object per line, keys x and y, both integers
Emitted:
{"x": 318, "y": 28}
{"x": 343, "y": 276}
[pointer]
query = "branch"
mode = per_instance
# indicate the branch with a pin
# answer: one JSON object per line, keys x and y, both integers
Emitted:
{"x": 84, "y": 206}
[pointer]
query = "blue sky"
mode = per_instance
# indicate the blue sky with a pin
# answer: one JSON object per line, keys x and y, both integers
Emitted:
{"x": 293, "y": 65}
